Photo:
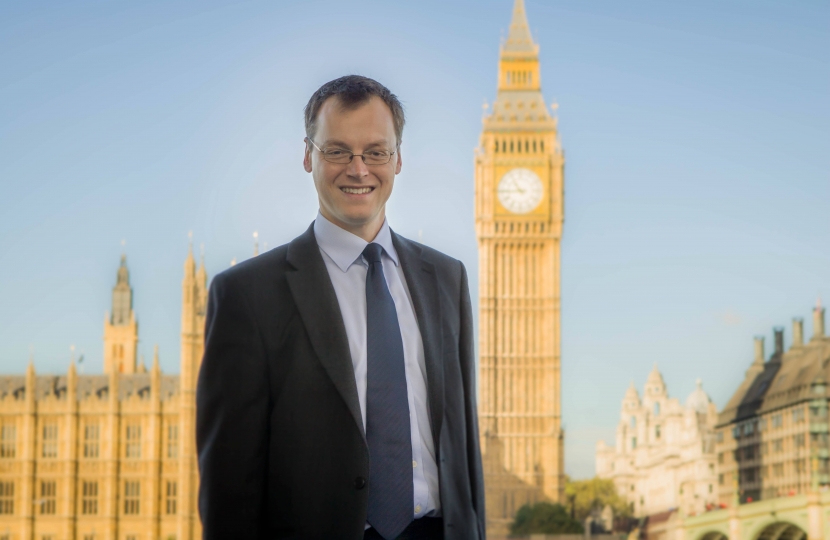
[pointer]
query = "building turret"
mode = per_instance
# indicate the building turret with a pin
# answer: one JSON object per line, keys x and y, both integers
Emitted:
{"x": 155, "y": 376}
{"x": 120, "y": 326}
{"x": 631, "y": 400}
{"x": 655, "y": 385}
{"x": 194, "y": 303}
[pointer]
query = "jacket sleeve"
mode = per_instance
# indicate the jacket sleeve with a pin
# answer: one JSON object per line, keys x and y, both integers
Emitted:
{"x": 232, "y": 398}
{"x": 468, "y": 370}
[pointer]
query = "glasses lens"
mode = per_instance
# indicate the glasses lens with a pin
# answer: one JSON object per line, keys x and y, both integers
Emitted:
{"x": 376, "y": 157}
{"x": 336, "y": 155}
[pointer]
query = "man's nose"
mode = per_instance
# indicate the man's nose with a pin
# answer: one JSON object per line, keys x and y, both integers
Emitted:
{"x": 357, "y": 168}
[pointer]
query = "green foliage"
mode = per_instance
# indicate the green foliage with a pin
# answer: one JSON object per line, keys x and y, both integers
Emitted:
{"x": 587, "y": 495}
{"x": 543, "y": 518}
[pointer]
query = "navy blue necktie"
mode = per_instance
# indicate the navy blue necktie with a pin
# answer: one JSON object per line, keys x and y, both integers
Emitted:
{"x": 388, "y": 430}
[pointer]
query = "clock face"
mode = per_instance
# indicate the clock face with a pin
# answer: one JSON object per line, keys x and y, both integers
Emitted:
{"x": 520, "y": 190}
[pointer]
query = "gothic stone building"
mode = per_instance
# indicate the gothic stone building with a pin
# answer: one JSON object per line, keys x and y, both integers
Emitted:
{"x": 106, "y": 457}
{"x": 772, "y": 438}
{"x": 519, "y": 215}
{"x": 664, "y": 456}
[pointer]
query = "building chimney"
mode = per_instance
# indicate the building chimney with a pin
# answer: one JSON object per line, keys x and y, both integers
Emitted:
{"x": 818, "y": 321}
{"x": 779, "y": 340}
{"x": 798, "y": 331}
{"x": 759, "y": 349}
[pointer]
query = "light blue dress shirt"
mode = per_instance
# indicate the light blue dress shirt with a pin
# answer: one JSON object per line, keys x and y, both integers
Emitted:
{"x": 343, "y": 254}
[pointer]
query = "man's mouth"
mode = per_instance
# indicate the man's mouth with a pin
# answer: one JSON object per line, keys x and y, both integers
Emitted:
{"x": 356, "y": 190}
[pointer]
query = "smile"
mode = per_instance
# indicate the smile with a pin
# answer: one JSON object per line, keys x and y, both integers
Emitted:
{"x": 356, "y": 191}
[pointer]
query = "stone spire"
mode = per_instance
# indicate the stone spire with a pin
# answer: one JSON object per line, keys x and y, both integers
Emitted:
{"x": 631, "y": 394}
{"x": 120, "y": 326}
{"x": 655, "y": 380}
{"x": 201, "y": 272}
{"x": 189, "y": 262}
{"x": 155, "y": 376}
{"x": 519, "y": 39}
{"x": 122, "y": 296}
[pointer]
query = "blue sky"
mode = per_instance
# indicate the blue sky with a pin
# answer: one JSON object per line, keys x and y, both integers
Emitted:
{"x": 695, "y": 133}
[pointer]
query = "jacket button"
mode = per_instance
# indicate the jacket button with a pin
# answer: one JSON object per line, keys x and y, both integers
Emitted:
{"x": 359, "y": 482}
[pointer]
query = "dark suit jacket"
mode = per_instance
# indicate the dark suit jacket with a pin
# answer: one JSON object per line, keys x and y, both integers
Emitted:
{"x": 282, "y": 452}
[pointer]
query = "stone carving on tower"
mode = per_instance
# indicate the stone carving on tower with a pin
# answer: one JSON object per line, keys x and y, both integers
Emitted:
{"x": 106, "y": 456}
{"x": 519, "y": 211}
{"x": 120, "y": 326}
{"x": 664, "y": 455}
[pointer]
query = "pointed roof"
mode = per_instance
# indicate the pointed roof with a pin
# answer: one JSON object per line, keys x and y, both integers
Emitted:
{"x": 123, "y": 271}
{"x": 189, "y": 262}
{"x": 631, "y": 394}
{"x": 518, "y": 37}
{"x": 655, "y": 377}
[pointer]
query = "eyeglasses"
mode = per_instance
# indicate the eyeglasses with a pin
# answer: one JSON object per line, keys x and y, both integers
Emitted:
{"x": 341, "y": 156}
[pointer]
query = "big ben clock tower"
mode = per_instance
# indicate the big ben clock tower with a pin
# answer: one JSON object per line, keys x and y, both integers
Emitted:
{"x": 519, "y": 215}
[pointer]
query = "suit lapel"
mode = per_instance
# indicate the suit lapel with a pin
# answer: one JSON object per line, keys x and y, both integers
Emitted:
{"x": 320, "y": 312}
{"x": 423, "y": 288}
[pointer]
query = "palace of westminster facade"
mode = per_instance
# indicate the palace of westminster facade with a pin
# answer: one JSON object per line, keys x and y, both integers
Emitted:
{"x": 112, "y": 456}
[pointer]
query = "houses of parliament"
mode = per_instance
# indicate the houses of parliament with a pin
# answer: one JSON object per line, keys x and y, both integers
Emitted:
{"x": 112, "y": 456}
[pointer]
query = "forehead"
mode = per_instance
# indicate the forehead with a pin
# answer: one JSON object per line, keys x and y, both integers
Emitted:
{"x": 371, "y": 119}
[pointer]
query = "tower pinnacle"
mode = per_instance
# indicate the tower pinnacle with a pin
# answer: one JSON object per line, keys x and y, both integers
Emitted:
{"x": 519, "y": 39}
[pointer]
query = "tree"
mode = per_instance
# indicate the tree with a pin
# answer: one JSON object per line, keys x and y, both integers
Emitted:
{"x": 585, "y": 496}
{"x": 546, "y": 518}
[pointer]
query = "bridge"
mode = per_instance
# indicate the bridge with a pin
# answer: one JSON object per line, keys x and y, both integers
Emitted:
{"x": 800, "y": 517}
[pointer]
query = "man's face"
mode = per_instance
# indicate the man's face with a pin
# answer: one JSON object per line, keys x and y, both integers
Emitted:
{"x": 353, "y": 196}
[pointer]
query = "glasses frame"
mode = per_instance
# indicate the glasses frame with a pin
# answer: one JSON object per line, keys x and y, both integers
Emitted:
{"x": 351, "y": 156}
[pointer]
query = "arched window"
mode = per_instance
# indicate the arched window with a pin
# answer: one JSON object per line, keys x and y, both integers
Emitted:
{"x": 534, "y": 145}
{"x": 511, "y": 146}
{"x": 657, "y": 409}
{"x": 633, "y": 422}
{"x": 542, "y": 143}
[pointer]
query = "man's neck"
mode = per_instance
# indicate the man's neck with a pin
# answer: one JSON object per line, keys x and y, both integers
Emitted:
{"x": 367, "y": 231}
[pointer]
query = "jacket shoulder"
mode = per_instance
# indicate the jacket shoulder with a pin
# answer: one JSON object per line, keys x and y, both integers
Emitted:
{"x": 439, "y": 259}
{"x": 252, "y": 272}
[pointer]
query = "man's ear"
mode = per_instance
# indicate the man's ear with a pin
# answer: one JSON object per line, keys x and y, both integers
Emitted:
{"x": 307, "y": 158}
{"x": 399, "y": 163}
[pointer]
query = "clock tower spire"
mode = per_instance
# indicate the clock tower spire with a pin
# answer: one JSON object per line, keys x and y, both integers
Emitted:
{"x": 519, "y": 180}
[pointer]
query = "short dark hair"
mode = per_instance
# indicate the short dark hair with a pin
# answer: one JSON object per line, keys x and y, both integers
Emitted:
{"x": 352, "y": 91}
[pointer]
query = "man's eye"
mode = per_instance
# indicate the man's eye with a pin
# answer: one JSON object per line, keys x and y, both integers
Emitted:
{"x": 335, "y": 152}
{"x": 376, "y": 153}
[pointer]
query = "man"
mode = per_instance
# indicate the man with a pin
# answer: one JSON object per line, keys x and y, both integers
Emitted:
{"x": 336, "y": 397}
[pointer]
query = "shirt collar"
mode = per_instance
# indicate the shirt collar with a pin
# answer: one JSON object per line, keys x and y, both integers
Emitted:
{"x": 345, "y": 248}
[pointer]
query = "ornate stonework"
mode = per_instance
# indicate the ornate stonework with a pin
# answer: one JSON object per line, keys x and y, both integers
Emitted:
{"x": 664, "y": 456}
{"x": 519, "y": 216}
{"x": 106, "y": 457}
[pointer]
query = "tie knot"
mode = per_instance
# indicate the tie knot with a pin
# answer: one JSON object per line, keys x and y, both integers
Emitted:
{"x": 372, "y": 253}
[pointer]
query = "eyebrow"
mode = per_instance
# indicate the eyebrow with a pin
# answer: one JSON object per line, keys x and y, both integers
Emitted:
{"x": 335, "y": 142}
